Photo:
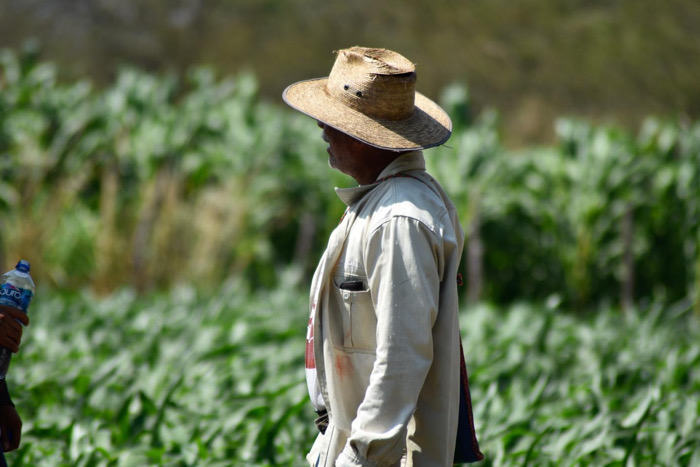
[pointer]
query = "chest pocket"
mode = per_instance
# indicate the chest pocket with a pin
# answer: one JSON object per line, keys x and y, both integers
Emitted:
{"x": 359, "y": 322}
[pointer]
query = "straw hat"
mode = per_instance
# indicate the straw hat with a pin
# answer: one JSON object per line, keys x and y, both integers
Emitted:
{"x": 370, "y": 95}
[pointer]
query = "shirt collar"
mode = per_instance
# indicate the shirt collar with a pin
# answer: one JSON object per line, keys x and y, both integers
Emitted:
{"x": 410, "y": 161}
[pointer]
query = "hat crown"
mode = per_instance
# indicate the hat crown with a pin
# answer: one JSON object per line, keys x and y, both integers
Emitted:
{"x": 379, "y": 83}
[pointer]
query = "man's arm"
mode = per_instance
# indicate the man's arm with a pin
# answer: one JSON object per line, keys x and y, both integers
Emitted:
{"x": 10, "y": 337}
{"x": 4, "y": 394}
{"x": 403, "y": 268}
{"x": 10, "y": 422}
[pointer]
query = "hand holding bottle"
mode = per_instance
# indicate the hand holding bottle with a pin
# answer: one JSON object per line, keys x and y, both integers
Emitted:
{"x": 16, "y": 291}
{"x": 10, "y": 328}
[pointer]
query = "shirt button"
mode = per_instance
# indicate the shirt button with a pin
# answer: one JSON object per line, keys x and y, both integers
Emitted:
{"x": 346, "y": 295}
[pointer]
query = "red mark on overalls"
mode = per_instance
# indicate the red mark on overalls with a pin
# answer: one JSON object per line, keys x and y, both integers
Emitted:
{"x": 343, "y": 366}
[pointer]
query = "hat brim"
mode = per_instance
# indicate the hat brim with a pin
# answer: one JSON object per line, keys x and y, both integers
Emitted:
{"x": 427, "y": 127}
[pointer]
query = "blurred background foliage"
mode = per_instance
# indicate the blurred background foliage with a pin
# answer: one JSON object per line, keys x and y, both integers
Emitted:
{"x": 155, "y": 180}
{"x": 609, "y": 61}
{"x": 167, "y": 200}
{"x": 145, "y": 143}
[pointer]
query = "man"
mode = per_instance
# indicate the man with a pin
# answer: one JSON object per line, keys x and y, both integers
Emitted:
{"x": 10, "y": 422}
{"x": 383, "y": 345}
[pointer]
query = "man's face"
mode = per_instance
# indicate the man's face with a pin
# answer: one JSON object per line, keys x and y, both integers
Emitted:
{"x": 340, "y": 149}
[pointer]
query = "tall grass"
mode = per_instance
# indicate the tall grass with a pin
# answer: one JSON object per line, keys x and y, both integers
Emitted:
{"x": 153, "y": 182}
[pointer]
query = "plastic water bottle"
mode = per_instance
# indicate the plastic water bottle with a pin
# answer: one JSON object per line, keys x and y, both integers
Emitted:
{"x": 16, "y": 290}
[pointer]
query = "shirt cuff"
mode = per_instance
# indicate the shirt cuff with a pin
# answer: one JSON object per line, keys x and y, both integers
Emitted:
{"x": 348, "y": 458}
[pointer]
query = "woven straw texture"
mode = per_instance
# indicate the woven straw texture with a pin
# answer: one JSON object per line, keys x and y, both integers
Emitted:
{"x": 370, "y": 95}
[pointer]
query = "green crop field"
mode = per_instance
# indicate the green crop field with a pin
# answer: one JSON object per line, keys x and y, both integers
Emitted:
{"x": 191, "y": 379}
{"x": 172, "y": 225}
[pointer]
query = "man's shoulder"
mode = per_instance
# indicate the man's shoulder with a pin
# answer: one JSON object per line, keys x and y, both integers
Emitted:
{"x": 411, "y": 196}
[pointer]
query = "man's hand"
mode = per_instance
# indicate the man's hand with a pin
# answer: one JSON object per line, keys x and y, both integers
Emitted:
{"x": 10, "y": 428}
{"x": 10, "y": 329}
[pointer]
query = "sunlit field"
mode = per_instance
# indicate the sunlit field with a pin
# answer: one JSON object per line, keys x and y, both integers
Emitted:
{"x": 192, "y": 379}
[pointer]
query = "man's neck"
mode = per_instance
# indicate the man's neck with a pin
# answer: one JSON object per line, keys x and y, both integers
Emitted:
{"x": 371, "y": 162}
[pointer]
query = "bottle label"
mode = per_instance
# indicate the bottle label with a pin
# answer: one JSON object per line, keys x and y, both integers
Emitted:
{"x": 15, "y": 297}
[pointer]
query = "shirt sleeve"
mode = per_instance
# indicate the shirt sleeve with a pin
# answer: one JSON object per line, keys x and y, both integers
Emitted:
{"x": 404, "y": 268}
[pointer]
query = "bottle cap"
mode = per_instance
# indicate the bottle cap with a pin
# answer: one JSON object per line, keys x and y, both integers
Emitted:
{"x": 23, "y": 266}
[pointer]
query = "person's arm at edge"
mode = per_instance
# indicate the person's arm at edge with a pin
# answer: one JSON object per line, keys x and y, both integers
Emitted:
{"x": 10, "y": 422}
{"x": 5, "y": 394}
